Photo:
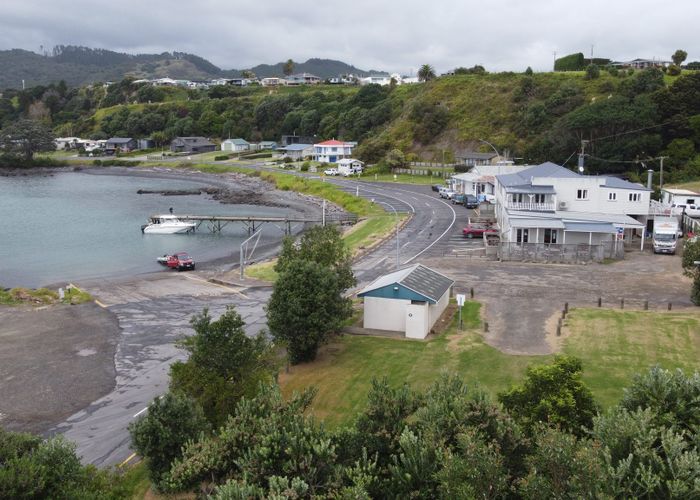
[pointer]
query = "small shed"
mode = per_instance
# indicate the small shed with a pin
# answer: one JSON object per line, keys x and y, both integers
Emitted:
{"x": 191, "y": 145}
{"x": 409, "y": 300}
{"x": 235, "y": 145}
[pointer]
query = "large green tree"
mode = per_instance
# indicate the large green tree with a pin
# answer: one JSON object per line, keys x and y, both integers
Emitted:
{"x": 552, "y": 394}
{"x": 172, "y": 420}
{"x": 26, "y": 137}
{"x": 691, "y": 255}
{"x": 288, "y": 67}
{"x": 679, "y": 56}
{"x": 224, "y": 364}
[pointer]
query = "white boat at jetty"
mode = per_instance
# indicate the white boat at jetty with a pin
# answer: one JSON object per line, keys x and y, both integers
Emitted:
{"x": 167, "y": 224}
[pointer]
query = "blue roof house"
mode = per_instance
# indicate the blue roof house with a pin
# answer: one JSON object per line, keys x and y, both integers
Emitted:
{"x": 409, "y": 300}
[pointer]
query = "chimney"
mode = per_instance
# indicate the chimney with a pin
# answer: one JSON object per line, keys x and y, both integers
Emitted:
{"x": 650, "y": 175}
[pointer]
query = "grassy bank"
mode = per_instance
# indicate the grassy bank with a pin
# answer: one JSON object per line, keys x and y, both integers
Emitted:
{"x": 42, "y": 296}
{"x": 613, "y": 346}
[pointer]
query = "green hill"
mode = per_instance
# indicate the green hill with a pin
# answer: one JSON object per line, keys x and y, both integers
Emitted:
{"x": 82, "y": 66}
{"x": 625, "y": 118}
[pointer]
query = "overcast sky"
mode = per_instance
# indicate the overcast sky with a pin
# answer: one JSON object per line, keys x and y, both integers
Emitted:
{"x": 396, "y": 35}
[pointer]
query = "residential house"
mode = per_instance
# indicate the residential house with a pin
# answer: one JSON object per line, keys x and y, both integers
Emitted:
{"x": 378, "y": 80}
{"x": 235, "y": 145}
{"x": 350, "y": 163}
{"x": 66, "y": 142}
{"x": 121, "y": 144}
{"x": 409, "y": 300}
{"x": 481, "y": 180}
{"x": 548, "y": 204}
{"x": 267, "y": 145}
{"x": 333, "y": 150}
{"x": 272, "y": 81}
{"x": 297, "y": 151}
{"x": 191, "y": 145}
{"x": 303, "y": 79}
{"x": 642, "y": 63}
{"x": 145, "y": 143}
{"x": 676, "y": 197}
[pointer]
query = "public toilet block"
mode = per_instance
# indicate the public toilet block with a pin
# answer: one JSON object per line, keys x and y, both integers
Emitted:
{"x": 409, "y": 301}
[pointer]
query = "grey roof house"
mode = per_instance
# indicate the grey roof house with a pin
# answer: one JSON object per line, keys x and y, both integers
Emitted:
{"x": 191, "y": 145}
{"x": 121, "y": 143}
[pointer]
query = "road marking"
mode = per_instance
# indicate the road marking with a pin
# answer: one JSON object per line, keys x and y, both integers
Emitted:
{"x": 129, "y": 458}
{"x": 100, "y": 304}
{"x": 140, "y": 412}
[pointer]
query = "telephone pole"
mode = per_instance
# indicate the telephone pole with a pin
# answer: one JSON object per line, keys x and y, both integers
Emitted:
{"x": 581, "y": 155}
{"x": 661, "y": 171}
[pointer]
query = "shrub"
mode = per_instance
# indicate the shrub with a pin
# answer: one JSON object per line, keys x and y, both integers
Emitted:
{"x": 305, "y": 166}
{"x": 674, "y": 70}
{"x": 221, "y": 157}
{"x": 592, "y": 72}
{"x": 287, "y": 159}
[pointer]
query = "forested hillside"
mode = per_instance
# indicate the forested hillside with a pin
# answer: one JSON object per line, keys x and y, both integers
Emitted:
{"x": 82, "y": 66}
{"x": 624, "y": 117}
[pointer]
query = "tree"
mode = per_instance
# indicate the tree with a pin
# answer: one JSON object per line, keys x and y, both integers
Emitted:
{"x": 248, "y": 74}
{"x": 26, "y": 137}
{"x": 553, "y": 394}
{"x": 673, "y": 70}
{"x": 306, "y": 307}
{"x": 679, "y": 56}
{"x": 426, "y": 73}
{"x": 288, "y": 67}
{"x": 691, "y": 255}
{"x": 592, "y": 72}
{"x": 159, "y": 436}
{"x": 224, "y": 364}
{"x": 528, "y": 71}
{"x": 395, "y": 159}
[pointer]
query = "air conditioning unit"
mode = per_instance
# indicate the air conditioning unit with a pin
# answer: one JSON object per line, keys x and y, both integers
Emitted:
{"x": 562, "y": 205}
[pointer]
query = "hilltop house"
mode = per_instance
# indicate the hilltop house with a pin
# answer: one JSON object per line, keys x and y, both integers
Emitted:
{"x": 235, "y": 145}
{"x": 332, "y": 151}
{"x": 550, "y": 205}
{"x": 191, "y": 145}
{"x": 121, "y": 144}
{"x": 303, "y": 79}
{"x": 409, "y": 300}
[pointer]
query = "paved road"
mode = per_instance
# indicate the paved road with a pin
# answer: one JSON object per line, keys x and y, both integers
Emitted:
{"x": 154, "y": 312}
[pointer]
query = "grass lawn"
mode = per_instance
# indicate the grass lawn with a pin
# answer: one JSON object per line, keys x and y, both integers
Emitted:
{"x": 405, "y": 178}
{"x": 693, "y": 186}
{"x": 613, "y": 345}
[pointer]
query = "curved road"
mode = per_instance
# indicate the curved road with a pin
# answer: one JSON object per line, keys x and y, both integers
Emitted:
{"x": 154, "y": 312}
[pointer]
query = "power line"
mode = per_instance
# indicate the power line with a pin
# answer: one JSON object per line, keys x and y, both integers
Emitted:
{"x": 636, "y": 130}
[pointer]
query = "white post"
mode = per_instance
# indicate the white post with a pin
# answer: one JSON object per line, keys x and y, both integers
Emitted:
{"x": 590, "y": 239}
{"x": 537, "y": 236}
{"x": 563, "y": 241}
{"x": 644, "y": 233}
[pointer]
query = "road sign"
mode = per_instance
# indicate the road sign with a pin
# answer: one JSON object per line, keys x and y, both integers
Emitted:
{"x": 460, "y": 299}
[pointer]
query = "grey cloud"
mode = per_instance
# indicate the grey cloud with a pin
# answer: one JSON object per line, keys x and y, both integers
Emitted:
{"x": 392, "y": 35}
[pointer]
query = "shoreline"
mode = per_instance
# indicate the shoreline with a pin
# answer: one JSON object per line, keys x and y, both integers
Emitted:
{"x": 231, "y": 188}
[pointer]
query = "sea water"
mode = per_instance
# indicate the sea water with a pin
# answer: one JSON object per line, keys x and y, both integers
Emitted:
{"x": 73, "y": 225}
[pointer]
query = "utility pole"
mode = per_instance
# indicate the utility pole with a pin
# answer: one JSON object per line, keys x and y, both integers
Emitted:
{"x": 581, "y": 155}
{"x": 661, "y": 171}
{"x": 554, "y": 65}
{"x": 592, "y": 45}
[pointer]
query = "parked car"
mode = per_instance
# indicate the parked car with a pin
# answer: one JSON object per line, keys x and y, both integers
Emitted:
{"x": 436, "y": 187}
{"x": 471, "y": 201}
{"x": 447, "y": 193}
{"x": 180, "y": 261}
{"x": 331, "y": 171}
{"x": 459, "y": 199}
{"x": 477, "y": 230}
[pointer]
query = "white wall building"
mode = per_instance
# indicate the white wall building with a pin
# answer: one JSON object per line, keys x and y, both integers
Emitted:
{"x": 235, "y": 145}
{"x": 481, "y": 179}
{"x": 333, "y": 150}
{"x": 409, "y": 300}
{"x": 675, "y": 197}
{"x": 549, "y": 204}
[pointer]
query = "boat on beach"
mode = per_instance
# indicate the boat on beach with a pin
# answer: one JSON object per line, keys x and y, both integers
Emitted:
{"x": 167, "y": 224}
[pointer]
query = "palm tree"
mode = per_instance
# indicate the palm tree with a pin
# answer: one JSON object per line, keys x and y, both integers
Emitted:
{"x": 426, "y": 72}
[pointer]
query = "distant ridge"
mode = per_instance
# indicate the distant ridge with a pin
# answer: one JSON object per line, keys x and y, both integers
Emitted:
{"x": 82, "y": 65}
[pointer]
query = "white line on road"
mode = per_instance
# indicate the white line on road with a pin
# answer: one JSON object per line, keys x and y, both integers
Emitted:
{"x": 139, "y": 413}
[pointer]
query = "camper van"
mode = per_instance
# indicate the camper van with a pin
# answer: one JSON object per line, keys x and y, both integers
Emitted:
{"x": 665, "y": 236}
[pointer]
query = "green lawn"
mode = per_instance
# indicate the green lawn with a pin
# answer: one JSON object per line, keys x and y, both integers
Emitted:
{"x": 693, "y": 186}
{"x": 405, "y": 178}
{"x": 613, "y": 345}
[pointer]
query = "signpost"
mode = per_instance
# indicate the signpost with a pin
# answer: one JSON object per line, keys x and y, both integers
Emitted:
{"x": 460, "y": 302}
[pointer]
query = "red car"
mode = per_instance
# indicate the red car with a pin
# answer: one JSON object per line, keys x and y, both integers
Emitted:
{"x": 477, "y": 230}
{"x": 180, "y": 261}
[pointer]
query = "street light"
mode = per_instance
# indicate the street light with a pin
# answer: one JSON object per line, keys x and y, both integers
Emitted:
{"x": 492, "y": 147}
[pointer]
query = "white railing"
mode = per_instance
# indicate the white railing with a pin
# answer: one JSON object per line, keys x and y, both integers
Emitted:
{"x": 534, "y": 207}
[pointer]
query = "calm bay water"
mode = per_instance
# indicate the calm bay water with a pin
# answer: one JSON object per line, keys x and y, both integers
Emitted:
{"x": 75, "y": 225}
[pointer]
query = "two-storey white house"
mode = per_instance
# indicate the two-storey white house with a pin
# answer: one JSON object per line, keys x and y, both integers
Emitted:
{"x": 333, "y": 150}
{"x": 481, "y": 179}
{"x": 548, "y": 204}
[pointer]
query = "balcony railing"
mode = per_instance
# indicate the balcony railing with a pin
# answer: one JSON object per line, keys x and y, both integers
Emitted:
{"x": 533, "y": 207}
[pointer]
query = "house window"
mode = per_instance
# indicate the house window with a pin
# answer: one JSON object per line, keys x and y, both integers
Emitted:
{"x": 539, "y": 198}
{"x": 517, "y": 197}
{"x": 550, "y": 235}
{"x": 582, "y": 194}
{"x": 635, "y": 196}
{"x": 612, "y": 196}
{"x": 521, "y": 235}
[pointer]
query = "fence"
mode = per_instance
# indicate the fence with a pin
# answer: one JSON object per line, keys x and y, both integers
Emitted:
{"x": 561, "y": 253}
{"x": 444, "y": 174}
{"x": 430, "y": 164}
